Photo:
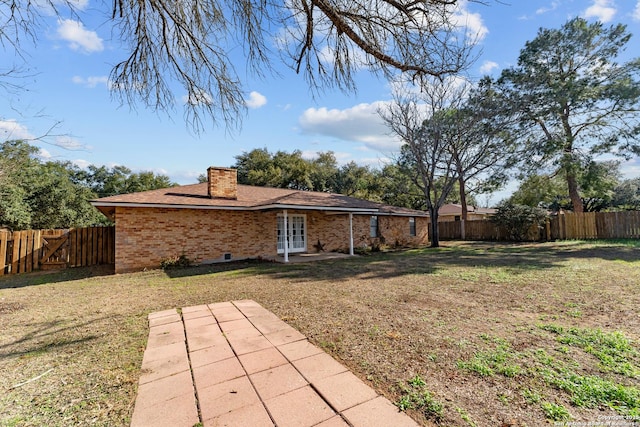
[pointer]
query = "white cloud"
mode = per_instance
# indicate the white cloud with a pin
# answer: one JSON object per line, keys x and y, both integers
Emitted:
{"x": 44, "y": 154}
{"x": 79, "y": 38}
{"x": 554, "y": 5}
{"x": 630, "y": 169}
{"x": 91, "y": 81}
{"x": 69, "y": 143}
{"x": 256, "y": 100}
{"x": 462, "y": 17}
{"x": 636, "y": 12}
{"x": 81, "y": 163}
{"x": 602, "y": 10}
{"x": 360, "y": 123}
{"x": 197, "y": 97}
{"x": 12, "y": 130}
{"x": 488, "y": 66}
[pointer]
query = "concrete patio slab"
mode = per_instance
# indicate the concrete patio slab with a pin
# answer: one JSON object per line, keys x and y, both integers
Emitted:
{"x": 235, "y": 363}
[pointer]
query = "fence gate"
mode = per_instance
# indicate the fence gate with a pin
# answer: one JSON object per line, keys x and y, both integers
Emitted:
{"x": 29, "y": 250}
{"x": 55, "y": 250}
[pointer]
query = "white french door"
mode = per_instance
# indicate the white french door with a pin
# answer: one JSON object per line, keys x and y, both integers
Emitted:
{"x": 295, "y": 236}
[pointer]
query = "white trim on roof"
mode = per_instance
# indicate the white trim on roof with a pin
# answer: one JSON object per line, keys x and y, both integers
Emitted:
{"x": 238, "y": 208}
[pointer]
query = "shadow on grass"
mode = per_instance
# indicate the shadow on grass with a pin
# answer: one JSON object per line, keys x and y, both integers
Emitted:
{"x": 42, "y": 338}
{"x": 514, "y": 257}
{"x": 54, "y": 276}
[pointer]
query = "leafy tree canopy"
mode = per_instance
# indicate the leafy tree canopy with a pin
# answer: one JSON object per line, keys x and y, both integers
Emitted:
{"x": 598, "y": 181}
{"x": 37, "y": 194}
{"x": 574, "y": 100}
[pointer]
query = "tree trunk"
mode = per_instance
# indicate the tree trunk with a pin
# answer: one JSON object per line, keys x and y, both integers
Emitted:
{"x": 574, "y": 194}
{"x": 463, "y": 204}
{"x": 435, "y": 235}
{"x": 463, "y": 198}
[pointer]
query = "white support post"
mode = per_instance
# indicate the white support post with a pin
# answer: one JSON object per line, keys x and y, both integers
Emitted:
{"x": 286, "y": 236}
{"x": 350, "y": 233}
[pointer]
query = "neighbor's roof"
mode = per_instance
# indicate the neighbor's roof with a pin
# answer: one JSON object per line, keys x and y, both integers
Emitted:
{"x": 456, "y": 209}
{"x": 249, "y": 198}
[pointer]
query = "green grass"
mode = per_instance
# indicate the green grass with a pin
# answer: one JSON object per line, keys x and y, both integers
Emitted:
{"x": 499, "y": 360}
{"x": 496, "y": 329}
{"x": 614, "y": 350}
{"x": 555, "y": 412}
{"x": 415, "y": 396}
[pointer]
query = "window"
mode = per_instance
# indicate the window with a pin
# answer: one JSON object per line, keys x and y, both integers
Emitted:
{"x": 295, "y": 237}
{"x": 373, "y": 226}
{"x": 412, "y": 227}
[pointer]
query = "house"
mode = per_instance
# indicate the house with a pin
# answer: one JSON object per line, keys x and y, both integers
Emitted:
{"x": 220, "y": 220}
{"x": 453, "y": 212}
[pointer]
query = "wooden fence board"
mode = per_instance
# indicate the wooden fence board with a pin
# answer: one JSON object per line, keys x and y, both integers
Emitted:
{"x": 4, "y": 243}
{"x": 30, "y": 250}
{"x": 566, "y": 226}
{"x": 111, "y": 247}
{"x": 100, "y": 251}
{"x": 85, "y": 247}
{"x": 94, "y": 245}
{"x": 15, "y": 259}
{"x": 72, "y": 236}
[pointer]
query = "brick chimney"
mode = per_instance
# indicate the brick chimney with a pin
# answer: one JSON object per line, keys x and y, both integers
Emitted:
{"x": 223, "y": 183}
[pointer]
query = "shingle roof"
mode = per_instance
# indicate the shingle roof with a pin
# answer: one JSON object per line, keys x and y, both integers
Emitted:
{"x": 456, "y": 209}
{"x": 249, "y": 198}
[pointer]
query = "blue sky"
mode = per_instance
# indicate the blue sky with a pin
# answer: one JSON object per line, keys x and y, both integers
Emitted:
{"x": 66, "y": 84}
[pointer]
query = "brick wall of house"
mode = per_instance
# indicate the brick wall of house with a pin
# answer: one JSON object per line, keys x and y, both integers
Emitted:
{"x": 332, "y": 231}
{"x": 147, "y": 236}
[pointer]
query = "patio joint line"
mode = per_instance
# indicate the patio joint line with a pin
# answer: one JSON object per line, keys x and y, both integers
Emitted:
{"x": 313, "y": 387}
{"x": 243, "y": 368}
{"x": 193, "y": 378}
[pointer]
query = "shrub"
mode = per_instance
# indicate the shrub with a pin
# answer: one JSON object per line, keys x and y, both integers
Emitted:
{"x": 518, "y": 219}
{"x": 181, "y": 261}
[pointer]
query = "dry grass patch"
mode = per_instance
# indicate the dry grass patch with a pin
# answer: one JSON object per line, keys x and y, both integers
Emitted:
{"x": 468, "y": 334}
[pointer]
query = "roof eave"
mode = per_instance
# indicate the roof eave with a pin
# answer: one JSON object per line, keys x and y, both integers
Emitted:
{"x": 98, "y": 204}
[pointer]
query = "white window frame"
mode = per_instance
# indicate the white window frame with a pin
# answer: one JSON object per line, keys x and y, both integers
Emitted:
{"x": 412, "y": 227}
{"x": 291, "y": 233}
{"x": 373, "y": 226}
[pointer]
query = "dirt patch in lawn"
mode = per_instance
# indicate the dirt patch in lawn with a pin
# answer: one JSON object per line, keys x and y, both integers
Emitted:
{"x": 468, "y": 334}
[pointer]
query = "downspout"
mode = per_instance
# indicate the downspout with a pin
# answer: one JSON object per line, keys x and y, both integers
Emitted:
{"x": 350, "y": 233}
{"x": 286, "y": 236}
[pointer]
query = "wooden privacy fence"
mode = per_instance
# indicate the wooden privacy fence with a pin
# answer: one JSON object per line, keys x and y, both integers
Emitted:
{"x": 590, "y": 225}
{"x": 596, "y": 225}
{"x": 30, "y": 250}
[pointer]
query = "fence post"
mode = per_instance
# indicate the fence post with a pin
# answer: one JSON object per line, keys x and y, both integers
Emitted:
{"x": 4, "y": 242}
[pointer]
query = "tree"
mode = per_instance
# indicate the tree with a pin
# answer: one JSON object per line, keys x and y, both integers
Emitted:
{"x": 189, "y": 44}
{"x": 451, "y": 138}
{"x": 18, "y": 173}
{"x": 518, "y": 219}
{"x": 358, "y": 181}
{"x": 41, "y": 195}
{"x": 627, "y": 195}
{"x": 281, "y": 169}
{"x": 425, "y": 154}
{"x": 575, "y": 101}
{"x": 398, "y": 189}
{"x": 36, "y": 194}
{"x": 55, "y": 201}
{"x": 597, "y": 181}
{"x": 324, "y": 172}
{"x": 105, "y": 181}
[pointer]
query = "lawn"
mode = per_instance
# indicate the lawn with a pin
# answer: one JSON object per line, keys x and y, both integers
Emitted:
{"x": 469, "y": 334}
